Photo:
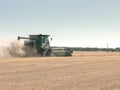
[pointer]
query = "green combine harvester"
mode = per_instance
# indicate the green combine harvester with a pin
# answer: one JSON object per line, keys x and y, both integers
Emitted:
{"x": 38, "y": 45}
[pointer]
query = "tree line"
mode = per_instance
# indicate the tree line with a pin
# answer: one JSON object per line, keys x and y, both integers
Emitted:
{"x": 92, "y": 49}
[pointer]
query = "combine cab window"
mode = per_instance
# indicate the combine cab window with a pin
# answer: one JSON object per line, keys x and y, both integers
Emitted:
{"x": 43, "y": 39}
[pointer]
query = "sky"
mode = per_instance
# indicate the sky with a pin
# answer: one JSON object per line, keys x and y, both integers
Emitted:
{"x": 76, "y": 23}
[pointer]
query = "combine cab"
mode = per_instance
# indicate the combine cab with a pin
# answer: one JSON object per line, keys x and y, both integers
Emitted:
{"x": 39, "y": 46}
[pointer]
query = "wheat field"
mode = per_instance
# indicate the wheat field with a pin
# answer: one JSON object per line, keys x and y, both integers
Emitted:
{"x": 82, "y": 71}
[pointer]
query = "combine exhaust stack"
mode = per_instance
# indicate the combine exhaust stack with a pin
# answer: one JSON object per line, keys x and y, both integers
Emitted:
{"x": 40, "y": 46}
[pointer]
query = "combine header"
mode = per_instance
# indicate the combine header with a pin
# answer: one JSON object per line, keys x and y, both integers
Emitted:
{"x": 39, "y": 46}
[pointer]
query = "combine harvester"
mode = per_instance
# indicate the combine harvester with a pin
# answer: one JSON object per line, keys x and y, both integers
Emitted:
{"x": 38, "y": 45}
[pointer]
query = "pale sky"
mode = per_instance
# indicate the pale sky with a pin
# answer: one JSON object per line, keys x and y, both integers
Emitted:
{"x": 77, "y": 23}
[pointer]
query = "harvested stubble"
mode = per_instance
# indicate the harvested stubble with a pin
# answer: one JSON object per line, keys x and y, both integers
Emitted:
{"x": 83, "y": 71}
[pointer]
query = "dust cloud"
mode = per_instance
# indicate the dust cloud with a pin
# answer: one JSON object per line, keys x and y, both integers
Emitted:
{"x": 15, "y": 49}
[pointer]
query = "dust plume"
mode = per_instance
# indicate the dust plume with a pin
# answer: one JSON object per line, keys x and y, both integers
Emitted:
{"x": 16, "y": 49}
